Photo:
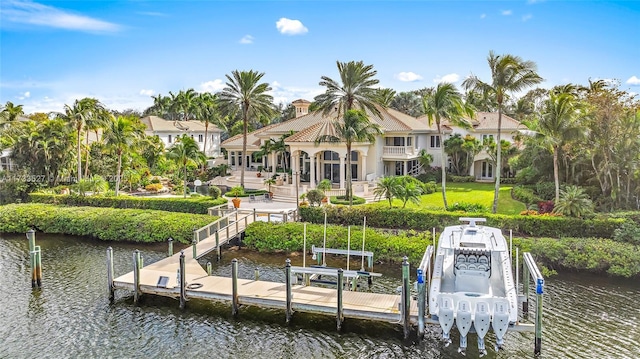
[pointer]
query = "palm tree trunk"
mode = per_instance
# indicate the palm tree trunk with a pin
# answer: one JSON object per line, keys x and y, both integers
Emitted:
{"x": 443, "y": 168}
{"x": 118, "y": 172}
{"x": 244, "y": 150}
{"x": 79, "y": 158}
{"x": 498, "y": 171}
{"x": 349, "y": 194}
{"x": 185, "y": 181}
{"x": 206, "y": 134}
{"x": 555, "y": 173}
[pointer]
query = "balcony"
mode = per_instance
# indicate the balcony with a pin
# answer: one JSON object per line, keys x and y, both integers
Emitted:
{"x": 399, "y": 152}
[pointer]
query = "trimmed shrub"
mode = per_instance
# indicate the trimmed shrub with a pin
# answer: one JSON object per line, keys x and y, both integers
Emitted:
{"x": 421, "y": 219}
{"x": 467, "y": 207}
{"x": 462, "y": 179}
{"x": 315, "y": 197}
{"x": 185, "y": 205}
{"x": 109, "y": 224}
{"x": 525, "y": 195}
{"x": 153, "y": 187}
{"x": 214, "y": 192}
{"x": 342, "y": 200}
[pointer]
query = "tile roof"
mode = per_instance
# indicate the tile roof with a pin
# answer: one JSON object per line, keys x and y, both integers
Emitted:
{"x": 489, "y": 121}
{"x": 159, "y": 124}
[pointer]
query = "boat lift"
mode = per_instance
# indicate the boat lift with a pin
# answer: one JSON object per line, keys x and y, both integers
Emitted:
{"x": 531, "y": 273}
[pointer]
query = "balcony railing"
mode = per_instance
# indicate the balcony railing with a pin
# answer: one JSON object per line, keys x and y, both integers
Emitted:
{"x": 399, "y": 150}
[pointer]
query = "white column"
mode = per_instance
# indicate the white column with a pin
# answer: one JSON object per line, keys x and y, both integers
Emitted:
{"x": 343, "y": 173}
{"x": 363, "y": 166}
{"x": 404, "y": 167}
{"x": 312, "y": 167}
{"x": 273, "y": 163}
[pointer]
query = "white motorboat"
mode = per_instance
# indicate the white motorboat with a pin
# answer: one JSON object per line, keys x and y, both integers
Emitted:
{"x": 472, "y": 284}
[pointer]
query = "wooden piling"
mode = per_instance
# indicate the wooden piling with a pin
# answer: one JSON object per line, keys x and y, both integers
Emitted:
{"x": 170, "y": 240}
{"x": 218, "y": 250}
{"x": 136, "y": 276}
{"x": 209, "y": 268}
{"x": 421, "y": 303}
{"x": 110, "y": 274}
{"x": 339, "y": 304}
{"x": 194, "y": 245}
{"x": 406, "y": 298}
{"x": 287, "y": 280}
{"x": 183, "y": 281}
{"x": 234, "y": 286}
{"x": 31, "y": 237}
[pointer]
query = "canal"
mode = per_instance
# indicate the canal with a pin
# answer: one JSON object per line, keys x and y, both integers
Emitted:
{"x": 586, "y": 316}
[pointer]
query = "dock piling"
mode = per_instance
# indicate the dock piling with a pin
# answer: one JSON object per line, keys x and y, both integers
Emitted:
{"x": 110, "y": 274}
{"x": 421, "y": 303}
{"x": 234, "y": 286}
{"x": 288, "y": 286}
{"x": 339, "y": 307}
{"x": 525, "y": 289}
{"x": 136, "y": 276}
{"x": 170, "y": 240}
{"x": 209, "y": 268}
{"x": 256, "y": 274}
{"x": 183, "y": 281}
{"x": 406, "y": 297}
{"x": 538, "y": 341}
{"x": 38, "y": 266}
{"x": 194, "y": 246}
{"x": 218, "y": 250}
{"x": 33, "y": 260}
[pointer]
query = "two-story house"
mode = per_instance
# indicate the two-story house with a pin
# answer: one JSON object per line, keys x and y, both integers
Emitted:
{"x": 169, "y": 131}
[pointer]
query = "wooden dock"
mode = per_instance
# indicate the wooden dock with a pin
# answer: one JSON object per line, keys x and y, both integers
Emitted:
{"x": 163, "y": 278}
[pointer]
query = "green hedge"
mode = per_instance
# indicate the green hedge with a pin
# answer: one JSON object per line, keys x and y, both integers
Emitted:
{"x": 343, "y": 201}
{"x": 109, "y": 224}
{"x": 386, "y": 246}
{"x": 536, "y": 226}
{"x": 170, "y": 204}
{"x": 594, "y": 255}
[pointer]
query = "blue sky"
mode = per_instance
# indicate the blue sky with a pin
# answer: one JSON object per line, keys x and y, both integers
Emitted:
{"x": 122, "y": 52}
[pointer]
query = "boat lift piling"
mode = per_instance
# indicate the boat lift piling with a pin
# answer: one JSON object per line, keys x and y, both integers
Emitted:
{"x": 35, "y": 259}
{"x": 406, "y": 298}
{"x": 136, "y": 275}
{"x": 531, "y": 270}
{"x": 110, "y": 274}
{"x": 170, "y": 251}
{"x": 183, "y": 281}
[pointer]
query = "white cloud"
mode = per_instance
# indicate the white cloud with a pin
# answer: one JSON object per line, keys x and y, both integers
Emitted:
{"x": 284, "y": 94}
{"x": 212, "y": 86}
{"x": 28, "y": 12}
{"x": 408, "y": 76}
{"x": 634, "y": 81}
{"x": 147, "y": 92}
{"x": 482, "y": 16}
{"x": 275, "y": 85}
{"x": 24, "y": 95}
{"x": 246, "y": 39}
{"x": 449, "y": 78}
{"x": 506, "y": 12}
{"x": 527, "y": 17}
{"x": 291, "y": 27}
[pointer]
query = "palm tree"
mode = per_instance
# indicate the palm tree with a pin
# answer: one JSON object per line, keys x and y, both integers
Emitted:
{"x": 185, "y": 151}
{"x": 407, "y": 102}
{"x": 246, "y": 94}
{"x": 356, "y": 90}
{"x": 10, "y": 112}
{"x": 445, "y": 102}
{"x": 385, "y": 96}
{"x": 408, "y": 189}
{"x": 573, "y": 202}
{"x": 119, "y": 135}
{"x": 387, "y": 188}
{"x": 424, "y": 159}
{"x": 354, "y": 127}
{"x": 509, "y": 74}
{"x": 207, "y": 112}
{"x": 557, "y": 124}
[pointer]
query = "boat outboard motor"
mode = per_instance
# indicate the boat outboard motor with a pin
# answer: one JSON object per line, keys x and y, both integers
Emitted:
{"x": 463, "y": 322}
{"x": 445, "y": 317}
{"x": 500, "y": 322}
{"x": 482, "y": 322}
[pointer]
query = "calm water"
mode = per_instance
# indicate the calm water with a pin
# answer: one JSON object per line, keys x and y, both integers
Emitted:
{"x": 586, "y": 316}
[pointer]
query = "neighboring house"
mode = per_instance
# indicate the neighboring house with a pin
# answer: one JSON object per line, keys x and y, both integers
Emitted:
{"x": 395, "y": 152}
{"x": 6, "y": 164}
{"x": 169, "y": 131}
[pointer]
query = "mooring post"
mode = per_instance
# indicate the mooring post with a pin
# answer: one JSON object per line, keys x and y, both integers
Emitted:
{"x": 39, "y": 266}
{"x": 110, "y": 274}
{"x": 287, "y": 281}
{"x": 254, "y": 214}
{"x": 256, "y": 274}
{"x": 421, "y": 303}
{"x": 31, "y": 237}
{"x": 237, "y": 224}
{"x": 136, "y": 276}
{"x": 406, "y": 297}
{"x": 209, "y": 268}
{"x": 234, "y": 286}
{"x": 170, "y": 240}
{"x": 539, "y": 291}
{"x": 218, "y": 253}
{"x": 195, "y": 235}
{"x": 183, "y": 281}
{"x": 339, "y": 308}
{"x": 525, "y": 289}
{"x": 194, "y": 248}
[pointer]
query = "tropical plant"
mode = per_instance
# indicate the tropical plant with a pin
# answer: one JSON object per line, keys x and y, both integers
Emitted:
{"x": 245, "y": 94}
{"x": 573, "y": 202}
{"x": 186, "y": 152}
{"x": 236, "y": 191}
{"x": 120, "y": 135}
{"x": 387, "y": 188}
{"x": 10, "y": 112}
{"x": 424, "y": 159}
{"x": 355, "y": 127}
{"x": 445, "y": 102}
{"x": 508, "y": 74}
{"x": 408, "y": 189}
{"x": 324, "y": 185}
{"x": 207, "y": 111}
{"x": 269, "y": 181}
{"x": 407, "y": 102}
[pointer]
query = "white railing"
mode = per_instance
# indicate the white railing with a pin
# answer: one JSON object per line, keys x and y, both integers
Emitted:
{"x": 399, "y": 150}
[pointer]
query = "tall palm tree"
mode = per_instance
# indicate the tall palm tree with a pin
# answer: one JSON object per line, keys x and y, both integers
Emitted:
{"x": 407, "y": 102}
{"x": 207, "y": 111}
{"x": 10, "y": 112}
{"x": 387, "y": 187}
{"x": 245, "y": 93}
{"x": 445, "y": 102}
{"x": 77, "y": 116}
{"x": 385, "y": 96}
{"x": 355, "y": 90}
{"x": 120, "y": 134}
{"x": 509, "y": 74}
{"x": 558, "y": 123}
{"x": 354, "y": 127}
{"x": 185, "y": 151}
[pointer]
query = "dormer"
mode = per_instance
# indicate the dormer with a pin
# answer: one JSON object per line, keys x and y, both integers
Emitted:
{"x": 301, "y": 106}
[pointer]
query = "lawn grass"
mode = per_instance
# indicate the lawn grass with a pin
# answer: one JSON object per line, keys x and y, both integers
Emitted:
{"x": 471, "y": 192}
